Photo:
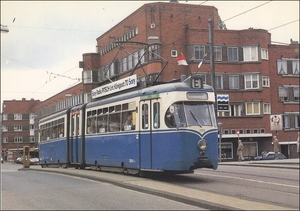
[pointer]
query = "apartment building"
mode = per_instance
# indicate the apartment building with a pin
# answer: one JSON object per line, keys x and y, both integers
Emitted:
{"x": 260, "y": 79}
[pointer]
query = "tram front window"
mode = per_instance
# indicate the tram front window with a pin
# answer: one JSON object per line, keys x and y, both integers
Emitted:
{"x": 198, "y": 114}
{"x": 185, "y": 114}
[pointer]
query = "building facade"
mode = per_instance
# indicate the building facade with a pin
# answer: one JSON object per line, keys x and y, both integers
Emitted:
{"x": 259, "y": 79}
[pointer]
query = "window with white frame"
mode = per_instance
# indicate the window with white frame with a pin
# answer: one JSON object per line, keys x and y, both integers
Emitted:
{"x": 296, "y": 94}
{"x": 295, "y": 66}
{"x": 297, "y": 120}
{"x": 130, "y": 61}
{"x": 199, "y": 51}
{"x": 17, "y": 116}
{"x": 4, "y": 117}
{"x": 250, "y": 53}
{"x": 32, "y": 139}
{"x": 251, "y": 81}
{"x": 87, "y": 76}
{"x": 219, "y": 81}
{"x": 234, "y": 82}
{"x": 232, "y": 54}
{"x": 5, "y": 139}
{"x": 267, "y": 108}
{"x": 286, "y": 121}
{"x": 135, "y": 58}
{"x": 266, "y": 81}
{"x": 4, "y": 128}
{"x": 112, "y": 69}
{"x": 252, "y": 108}
{"x": 141, "y": 55}
{"x": 262, "y": 130}
{"x": 235, "y": 110}
{"x": 124, "y": 64}
{"x": 18, "y": 139}
{"x": 281, "y": 66}
{"x": 283, "y": 94}
{"x": 18, "y": 128}
{"x": 173, "y": 53}
{"x": 218, "y": 53}
{"x": 153, "y": 52}
{"x": 248, "y": 131}
{"x": 264, "y": 54}
{"x": 222, "y": 113}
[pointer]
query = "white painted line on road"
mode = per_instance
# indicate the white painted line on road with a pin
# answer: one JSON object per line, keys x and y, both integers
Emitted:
{"x": 250, "y": 180}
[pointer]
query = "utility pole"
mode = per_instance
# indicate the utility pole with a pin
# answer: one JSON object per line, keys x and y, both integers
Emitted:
{"x": 212, "y": 58}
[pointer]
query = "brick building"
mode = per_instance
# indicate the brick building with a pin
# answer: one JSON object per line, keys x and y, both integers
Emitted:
{"x": 261, "y": 79}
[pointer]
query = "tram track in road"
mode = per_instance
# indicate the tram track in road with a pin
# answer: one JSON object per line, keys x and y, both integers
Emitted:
{"x": 259, "y": 173}
{"x": 194, "y": 189}
{"x": 269, "y": 187}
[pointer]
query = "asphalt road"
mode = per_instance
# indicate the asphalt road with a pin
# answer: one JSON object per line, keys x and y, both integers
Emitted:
{"x": 268, "y": 185}
{"x": 272, "y": 185}
{"x": 37, "y": 190}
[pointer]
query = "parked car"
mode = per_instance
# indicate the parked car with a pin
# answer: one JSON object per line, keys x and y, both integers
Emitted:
{"x": 270, "y": 156}
{"x": 1, "y": 160}
{"x": 19, "y": 160}
{"x": 34, "y": 161}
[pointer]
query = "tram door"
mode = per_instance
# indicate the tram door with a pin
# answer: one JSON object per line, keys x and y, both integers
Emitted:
{"x": 148, "y": 121}
{"x": 75, "y": 139}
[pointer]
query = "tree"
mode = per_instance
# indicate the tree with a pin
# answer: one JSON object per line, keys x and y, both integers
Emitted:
{"x": 221, "y": 24}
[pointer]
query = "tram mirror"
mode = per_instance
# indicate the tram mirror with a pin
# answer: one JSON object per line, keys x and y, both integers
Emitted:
{"x": 171, "y": 109}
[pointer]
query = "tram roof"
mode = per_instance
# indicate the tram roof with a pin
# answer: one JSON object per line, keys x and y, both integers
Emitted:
{"x": 54, "y": 115}
{"x": 156, "y": 89}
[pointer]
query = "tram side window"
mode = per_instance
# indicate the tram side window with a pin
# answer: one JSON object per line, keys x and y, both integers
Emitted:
{"x": 129, "y": 119}
{"x": 91, "y": 125}
{"x": 72, "y": 126}
{"x": 156, "y": 115}
{"x": 145, "y": 120}
{"x": 54, "y": 132}
{"x": 169, "y": 117}
{"x": 43, "y": 133}
{"x": 77, "y": 125}
{"x": 102, "y": 122}
{"x": 180, "y": 117}
{"x": 114, "y": 122}
{"x": 61, "y": 130}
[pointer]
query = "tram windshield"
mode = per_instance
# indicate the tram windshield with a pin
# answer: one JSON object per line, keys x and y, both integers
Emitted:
{"x": 186, "y": 114}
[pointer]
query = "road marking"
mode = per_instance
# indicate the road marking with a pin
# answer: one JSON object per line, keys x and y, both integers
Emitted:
{"x": 250, "y": 180}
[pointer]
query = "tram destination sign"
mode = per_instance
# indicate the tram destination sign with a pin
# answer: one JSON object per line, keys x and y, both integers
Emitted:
{"x": 116, "y": 86}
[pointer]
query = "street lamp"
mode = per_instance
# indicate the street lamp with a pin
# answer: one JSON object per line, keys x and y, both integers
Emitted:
{"x": 220, "y": 140}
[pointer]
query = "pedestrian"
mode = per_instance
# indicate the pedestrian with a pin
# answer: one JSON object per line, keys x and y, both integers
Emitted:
{"x": 276, "y": 146}
{"x": 239, "y": 151}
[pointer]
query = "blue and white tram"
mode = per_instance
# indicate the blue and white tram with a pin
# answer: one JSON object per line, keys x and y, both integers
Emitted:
{"x": 54, "y": 139}
{"x": 165, "y": 128}
{"x": 173, "y": 129}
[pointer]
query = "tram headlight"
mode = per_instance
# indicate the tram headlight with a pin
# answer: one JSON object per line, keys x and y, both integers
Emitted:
{"x": 202, "y": 145}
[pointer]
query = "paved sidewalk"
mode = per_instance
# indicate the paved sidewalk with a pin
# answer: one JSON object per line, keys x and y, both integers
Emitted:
{"x": 285, "y": 163}
{"x": 195, "y": 197}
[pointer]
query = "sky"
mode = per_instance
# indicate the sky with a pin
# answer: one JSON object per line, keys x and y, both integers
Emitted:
{"x": 41, "y": 52}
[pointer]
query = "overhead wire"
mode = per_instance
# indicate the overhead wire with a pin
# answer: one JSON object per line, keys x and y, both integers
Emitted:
{"x": 59, "y": 75}
{"x": 247, "y": 11}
